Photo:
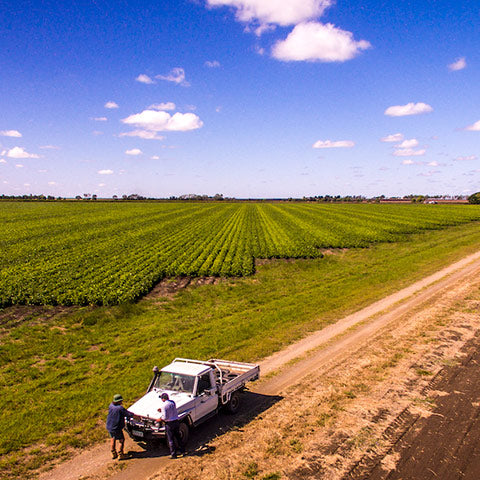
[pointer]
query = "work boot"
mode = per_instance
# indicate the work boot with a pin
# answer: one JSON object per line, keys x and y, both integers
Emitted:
{"x": 114, "y": 454}
{"x": 122, "y": 456}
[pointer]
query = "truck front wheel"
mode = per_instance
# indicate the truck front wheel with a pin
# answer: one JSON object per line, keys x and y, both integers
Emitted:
{"x": 233, "y": 404}
{"x": 184, "y": 431}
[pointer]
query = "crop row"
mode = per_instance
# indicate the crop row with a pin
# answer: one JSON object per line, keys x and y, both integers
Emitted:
{"x": 105, "y": 253}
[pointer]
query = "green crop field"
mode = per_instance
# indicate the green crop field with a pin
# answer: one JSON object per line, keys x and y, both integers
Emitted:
{"x": 107, "y": 253}
{"x": 60, "y": 366}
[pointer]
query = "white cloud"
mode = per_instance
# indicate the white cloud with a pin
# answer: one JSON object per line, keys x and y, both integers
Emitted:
{"x": 10, "y": 133}
{"x": 52, "y": 183}
{"x": 176, "y": 75}
{"x": 49, "y": 147}
{"x": 429, "y": 173}
{"x": 2, "y": 160}
{"x": 408, "y": 109}
{"x": 408, "y": 143}
{"x": 459, "y": 64}
{"x": 142, "y": 78}
{"x": 101, "y": 184}
{"x": 409, "y": 152}
{"x": 264, "y": 27}
{"x": 433, "y": 164}
{"x": 105, "y": 172}
{"x": 314, "y": 41}
{"x": 111, "y": 105}
{"x": 408, "y": 161}
{"x": 18, "y": 165}
{"x": 26, "y": 185}
{"x": 158, "y": 121}
{"x": 162, "y": 106}
{"x": 145, "y": 134}
{"x": 330, "y": 144}
{"x": 279, "y": 12}
{"x": 474, "y": 128}
{"x": 396, "y": 137}
{"x": 467, "y": 158}
{"x": 19, "y": 152}
{"x": 212, "y": 64}
{"x": 133, "y": 151}
{"x": 100, "y": 119}
{"x": 155, "y": 157}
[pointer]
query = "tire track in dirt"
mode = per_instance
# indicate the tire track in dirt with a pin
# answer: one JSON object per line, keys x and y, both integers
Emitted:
{"x": 285, "y": 368}
{"x": 392, "y": 436}
{"x": 443, "y": 445}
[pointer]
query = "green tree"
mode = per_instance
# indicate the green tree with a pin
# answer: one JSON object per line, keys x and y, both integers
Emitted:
{"x": 474, "y": 198}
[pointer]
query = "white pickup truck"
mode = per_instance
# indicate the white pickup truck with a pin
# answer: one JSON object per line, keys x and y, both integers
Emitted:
{"x": 198, "y": 389}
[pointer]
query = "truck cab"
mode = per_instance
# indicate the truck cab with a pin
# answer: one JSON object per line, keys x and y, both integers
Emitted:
{"x": 191, "y": 386}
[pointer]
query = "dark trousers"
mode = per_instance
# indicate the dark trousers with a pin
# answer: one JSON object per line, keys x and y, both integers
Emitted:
{"x": 173, "y": 436}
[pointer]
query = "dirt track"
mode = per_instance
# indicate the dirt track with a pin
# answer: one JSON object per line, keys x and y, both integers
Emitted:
{"x": 319, "y": 354}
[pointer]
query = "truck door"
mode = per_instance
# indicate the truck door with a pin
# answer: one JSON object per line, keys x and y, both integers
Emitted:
{"x": 206, "y": 399}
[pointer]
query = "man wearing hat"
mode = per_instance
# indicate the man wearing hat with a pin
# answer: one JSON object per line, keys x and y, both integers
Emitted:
{"x": 115, "y": 423}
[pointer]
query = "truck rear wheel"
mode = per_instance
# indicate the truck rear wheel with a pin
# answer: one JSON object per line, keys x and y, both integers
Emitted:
{"x": 184, "y": 431}
{"x": 233, "y": 404}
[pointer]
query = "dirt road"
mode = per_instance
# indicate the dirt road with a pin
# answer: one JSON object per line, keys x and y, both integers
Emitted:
{"x": 290, "y": 371}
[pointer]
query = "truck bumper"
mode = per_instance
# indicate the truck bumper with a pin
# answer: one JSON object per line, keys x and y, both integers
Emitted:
{"x": 140, "y": 433}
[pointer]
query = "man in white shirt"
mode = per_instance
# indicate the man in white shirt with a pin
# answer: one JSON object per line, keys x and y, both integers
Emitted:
{"x": 169, "y": 415}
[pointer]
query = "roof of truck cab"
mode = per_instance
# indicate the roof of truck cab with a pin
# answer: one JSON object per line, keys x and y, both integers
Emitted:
{"x": 186, "y": 368}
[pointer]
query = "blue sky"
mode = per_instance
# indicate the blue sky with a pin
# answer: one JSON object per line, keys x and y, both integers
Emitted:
{"x": 249, "y": 98}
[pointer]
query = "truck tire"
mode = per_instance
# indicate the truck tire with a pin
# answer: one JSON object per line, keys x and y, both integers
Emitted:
{"x": 184, "y": 431}
{"x": 233, "y": 404}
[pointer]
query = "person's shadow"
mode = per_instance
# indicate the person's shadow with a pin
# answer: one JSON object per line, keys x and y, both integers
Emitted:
{"x": 251, "y": 405}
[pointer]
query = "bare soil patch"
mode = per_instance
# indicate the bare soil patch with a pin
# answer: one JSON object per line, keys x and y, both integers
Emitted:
{"x": 167, "y": 288}
{"x": 334, "y": 251}
{"x": 18, "y": 314}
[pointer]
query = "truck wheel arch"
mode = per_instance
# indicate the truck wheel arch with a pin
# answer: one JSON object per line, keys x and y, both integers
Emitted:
{"x": 233, "y": 404}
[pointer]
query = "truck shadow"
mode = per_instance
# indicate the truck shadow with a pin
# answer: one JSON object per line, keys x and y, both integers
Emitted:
{"x": 252, "y": 404}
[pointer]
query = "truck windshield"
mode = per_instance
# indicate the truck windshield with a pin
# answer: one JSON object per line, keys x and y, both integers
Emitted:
{"x": 175, "y": 381}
